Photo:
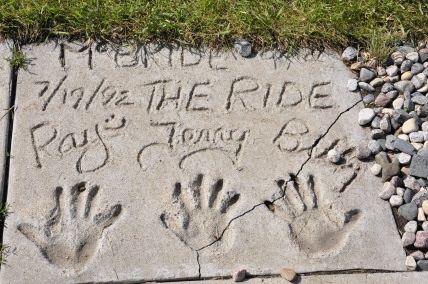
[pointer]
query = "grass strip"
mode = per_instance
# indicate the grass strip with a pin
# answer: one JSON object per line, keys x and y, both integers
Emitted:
{"x": 371, "y": 24}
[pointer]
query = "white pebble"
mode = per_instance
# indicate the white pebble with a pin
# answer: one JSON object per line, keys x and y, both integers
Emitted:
{"x": 366, "y": 115}
{"x": 421, "y": 215}
{"x": 396, "y": 200}
{"x": 405, "y": 137}
{"x": 398, "y": 103}
{"x": 411, "y": 227}
{"x": 376, "y": 169}
{"x": 334, "y": 156}
{"x": 388, "y": 190}
{"x": 239, "y": 275}
{"x": 417, "y": 146}
{"x": 400, "y": 191}
{"x": 410, "y": 263}
{"x": 404, "y": 158}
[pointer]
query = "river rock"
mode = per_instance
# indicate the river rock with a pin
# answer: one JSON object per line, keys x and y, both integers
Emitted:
{"x": 408, "y": 211}
{"x": 421, "y": 239}
{"x": 365, "y": 116}
{"x": 350, "y": 53}
{"x": 366, "y": 75}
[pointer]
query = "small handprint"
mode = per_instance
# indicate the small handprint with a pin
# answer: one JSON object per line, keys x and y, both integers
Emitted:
{"x": 70, "y": 235}
{"x": 201, "y": 211}
{"x": 317, "y": 225}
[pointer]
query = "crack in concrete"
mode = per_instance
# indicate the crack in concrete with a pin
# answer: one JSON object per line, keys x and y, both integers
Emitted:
{"x": 9, "y": 126}
{"x": 316, "y": 142}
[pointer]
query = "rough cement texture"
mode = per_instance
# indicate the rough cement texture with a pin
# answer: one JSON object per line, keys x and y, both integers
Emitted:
{"x": 159, "y": 163}
{"x": 358, "y": 278}
{"x": 4, "y": 108}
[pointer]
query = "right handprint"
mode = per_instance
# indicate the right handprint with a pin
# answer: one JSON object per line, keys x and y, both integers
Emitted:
{"x": 318, "y": 226}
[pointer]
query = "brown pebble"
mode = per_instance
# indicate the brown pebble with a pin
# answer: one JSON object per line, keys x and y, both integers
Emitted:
{"x": 288, "y": 274}
{"x": 239, "y": 275}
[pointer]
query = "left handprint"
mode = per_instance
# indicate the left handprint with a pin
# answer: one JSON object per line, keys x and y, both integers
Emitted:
{"x": 69, "y": 237}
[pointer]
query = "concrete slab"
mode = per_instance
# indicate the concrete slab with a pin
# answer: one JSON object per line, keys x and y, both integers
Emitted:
{"x": 357, "y": 278}
{"x": 139, "y": 164}
{"x": 4, "y": 108}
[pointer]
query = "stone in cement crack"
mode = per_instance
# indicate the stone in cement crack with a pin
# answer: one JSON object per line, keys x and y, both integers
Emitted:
{"x": 243, "y": 47}
{"x": 410, "y": 263}
{"x": 187, "y": 142}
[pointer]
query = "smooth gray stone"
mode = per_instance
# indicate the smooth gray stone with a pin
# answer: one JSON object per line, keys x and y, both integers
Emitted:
{"x": 390, "y": 141}
{"x": 404, "y": 86}
{"x": 382, "y": 143}
{"x": 377, "y": 133}
{"x": 405, "y": 49}
{"x": 366, "y": 86}
{"x": 400, "y": 115}
{"x": 366, "y": 75}
{"x": 417, "y": 82}
{"x": 408, "y": 105}
{"x": 392, "y": 70}
{"x": 395, "y": 124}
{"x": 392, "y": 94}
{"x": 408, "y": 211}
{"x": 385, "y": 124}
{"x": 362, "y": 152}
{"x": 423, "y": 182}
{"x": 420, "y": 99}
{"x": 416, "y": 137}
{"x": 408, "y": 195}
{"x": 387, "y": 87}
{"x": 420, "y": 197}
{"x": 376, "y": 122}
{"x": 352, "y": 85}
{"x": 243, "y": 47}
{"x": 417, "y": 68}
{"x": 406, "y": 65}
{"x": 422, "y": 264}
{"x": 419, "y": 166}
{"x": 368, "y": 98}
{"x": 404, "y": 146}
{"x": 374, "y": 147}
{"x": 349, "y": 53}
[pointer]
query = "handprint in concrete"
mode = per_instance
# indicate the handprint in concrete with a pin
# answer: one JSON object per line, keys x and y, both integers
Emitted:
{"x": 70, "y": 236}
{"x": 200, "y": 211}
{"x": 317, "y": 224}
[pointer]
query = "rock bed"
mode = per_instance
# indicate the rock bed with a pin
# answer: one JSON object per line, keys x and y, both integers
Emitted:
{"x": 396, "y": 108}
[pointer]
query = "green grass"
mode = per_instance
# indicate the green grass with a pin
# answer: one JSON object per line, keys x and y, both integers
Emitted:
{"x": 4, "y": 249}
{"x": 374, "y": 25}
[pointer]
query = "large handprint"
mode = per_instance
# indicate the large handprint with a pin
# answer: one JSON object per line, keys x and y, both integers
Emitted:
{"x": 199, "y": 212}
{"x": 70, "y": 235}
{"x": 318, "y": 226}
